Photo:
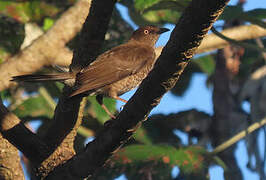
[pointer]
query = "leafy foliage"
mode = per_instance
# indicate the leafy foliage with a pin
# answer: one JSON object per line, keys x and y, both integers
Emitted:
{"x": 255, "y": 16}
{"x": 206, "y": 64}
{"x": 27, "y": 11}
{"x": 12, "y": 35}
{"x": 34, "y": 107}
{"x": 156, "y": 161}
{"x": 98, "y": 111}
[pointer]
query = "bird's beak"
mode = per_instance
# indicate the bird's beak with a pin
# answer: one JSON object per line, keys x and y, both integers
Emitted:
{"x": 163, "y": 30}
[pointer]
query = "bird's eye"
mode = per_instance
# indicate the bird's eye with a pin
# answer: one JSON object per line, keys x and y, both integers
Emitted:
{"x": 146, "y": 32}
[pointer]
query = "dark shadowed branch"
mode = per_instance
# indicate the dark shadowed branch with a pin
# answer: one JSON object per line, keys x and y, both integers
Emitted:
{"x": 10, "y": 160}
{"x": 21, "y": 137}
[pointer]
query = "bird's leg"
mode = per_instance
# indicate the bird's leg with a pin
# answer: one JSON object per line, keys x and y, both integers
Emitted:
{"x": 99, "y": 99}
{"x": 119, "y": 98}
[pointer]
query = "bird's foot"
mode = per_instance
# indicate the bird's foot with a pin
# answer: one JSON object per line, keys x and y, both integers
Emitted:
{"x": 112, "y": 116}
{"x": 121, "y": 107}
{"x": 108, "y": 123}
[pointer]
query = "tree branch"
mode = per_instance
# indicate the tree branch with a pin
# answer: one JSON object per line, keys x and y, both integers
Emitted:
{"x": 186, "y": 37}
{"x": 45, "y": 49}
{"x": 237, "y": 43}
{"x": 9, "y": 157}
{"x": 68, "y": 113}
{"x": 212, "y": 42}
{"x": 239, "y": 136}
{"x": 10, "y": 161}
{"x": 21, "y": 137}
{"x": 92, "y": 34}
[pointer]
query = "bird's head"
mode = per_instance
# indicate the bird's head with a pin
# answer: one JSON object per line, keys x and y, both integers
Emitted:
{"x": 148, "y": 34}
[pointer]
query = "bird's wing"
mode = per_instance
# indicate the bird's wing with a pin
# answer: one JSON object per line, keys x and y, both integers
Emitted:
{"x": 113, "y": 66}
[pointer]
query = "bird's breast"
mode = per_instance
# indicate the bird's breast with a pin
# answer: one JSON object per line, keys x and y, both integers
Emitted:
{"x": 128, "y": 83}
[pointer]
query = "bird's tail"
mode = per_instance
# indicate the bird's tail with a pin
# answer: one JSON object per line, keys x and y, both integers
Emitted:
{"x": 43, "y": 77}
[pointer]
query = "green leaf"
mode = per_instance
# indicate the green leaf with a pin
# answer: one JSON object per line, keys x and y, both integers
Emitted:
{"x": 231, "y": 12}
{"x": 54, "y": 89}
{"x": 251, "y": 61}
{"x": 141, "y": 136}
{"x": 220, "y": 162}
{"x": 157, "y": 11}
{"x": 255, "y": 16}
{"x": 136, "y": 160}
{"x": 140, "y": 5}
{"x": 85, "y": 131}
{"x": 189, "y": 159}
{"x": 258, "y": 13}
{"x": 184, "y": 81}
{"x": 27, "y": 11}
{"x": 12, "y": 35}
{"x": 254, "y": 21}
{"x": 148, "y": 5}
{"x": 98, "y": 111}
{"x": 34, "y": 107}
{"x": 162, "y": 16}
{"x": 3, "y": 54}
{"x": 170, "y": 5}
{"x": 47, "y": 24}
{"x": 14, "y": 10}
{"x": 5, "y": 95}
{"x": 206, "y": 64}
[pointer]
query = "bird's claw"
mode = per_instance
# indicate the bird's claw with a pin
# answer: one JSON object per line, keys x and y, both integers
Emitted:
{"x": 121, "y": 107}
{"x": 108, "y": 123}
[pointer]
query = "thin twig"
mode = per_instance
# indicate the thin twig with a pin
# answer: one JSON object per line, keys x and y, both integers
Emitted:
{"x": 260, "y": 44}
{"x": 239, "y": 136}
{"x": 45, "y": 94}
{"x": 242, "y": 44}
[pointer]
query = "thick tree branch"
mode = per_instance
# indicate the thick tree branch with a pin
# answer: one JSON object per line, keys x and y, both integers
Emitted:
{"x": 92, "y": 34}
{"x": 21, "y": 137}
{"x": 10, "y": 161}
{"x": 66, "y": 107}
{"x": 186, "y": 37}
{"x": 9, "y": 157}
{"x": 212, "y": 42}
{"x": 45, "y": 49}
{"x": 68, "y": 113}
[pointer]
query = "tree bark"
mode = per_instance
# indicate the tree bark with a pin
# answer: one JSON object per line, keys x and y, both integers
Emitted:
{"x": 47, "y": 48}
{"x": 10, "y": 161}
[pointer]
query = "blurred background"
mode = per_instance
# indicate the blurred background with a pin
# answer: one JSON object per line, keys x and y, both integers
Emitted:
{"x": 220, "y": 93}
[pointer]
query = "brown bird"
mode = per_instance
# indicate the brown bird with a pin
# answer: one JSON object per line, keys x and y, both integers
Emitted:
{"x": 114, "y": 72}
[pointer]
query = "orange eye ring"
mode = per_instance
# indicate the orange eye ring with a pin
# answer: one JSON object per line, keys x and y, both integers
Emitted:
{"x": 146, "y": 32}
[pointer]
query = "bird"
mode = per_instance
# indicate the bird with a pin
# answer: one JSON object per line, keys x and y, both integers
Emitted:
{"x": 113, "y": 73}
